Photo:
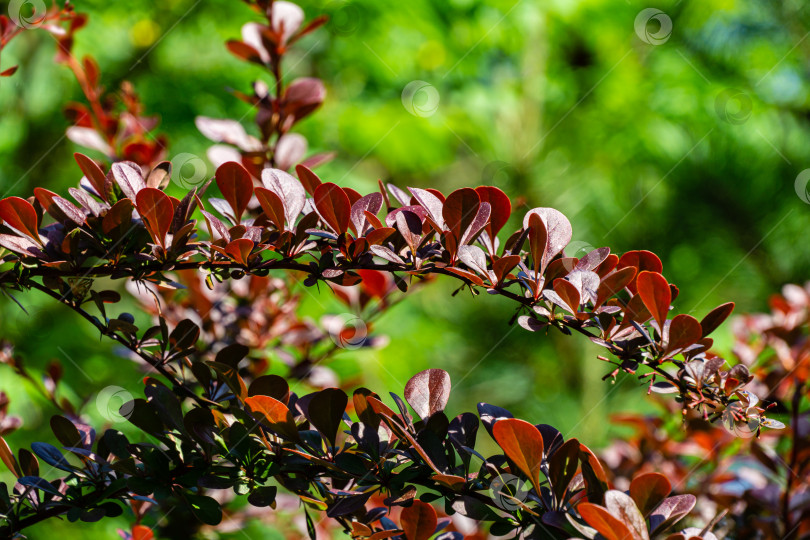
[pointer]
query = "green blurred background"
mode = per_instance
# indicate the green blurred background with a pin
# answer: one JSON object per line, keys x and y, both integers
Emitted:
{"x": 684, "y": 141}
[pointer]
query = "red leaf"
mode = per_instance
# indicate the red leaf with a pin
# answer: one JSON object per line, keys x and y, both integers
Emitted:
{"x": 538, "y": 239}
{"x": 9, "y": 72}
{"x": 654, "y": 291}
{"x": 244, "y": 51}
{"x": 715, "y": 318}
{"x": 236, "y": 186}
{"x": 120, "y": 213}
{"x": 142, "y": 532}
{"x": 277, "y": 416}
{"x": 558, "y": 229}
{"x": 600, "y": 519}
{"x": 613, "y": 284}
{"x": 459, "y": 211}
{"x": 428, "y": 391}
{"x": 648, "y": 490}
{"x": 642, "y": 260}
{"x": 501, "y": 209}
{"x": 239, "y": 250}
{"x": 157, "y": 210}
{"x": 333, "y": 206}
{"x": 60, "y": 209}
{"x": 523, "y": 444}
{"x": 308, "y": 178}
{"x": 129, "y": 178}
{"x": 569, "y": 294}
{"x": 419, "y": 521}
{"x": 20, "y": 215}
{"x": 684, "y": 330}
{"x": 272, "y": 205}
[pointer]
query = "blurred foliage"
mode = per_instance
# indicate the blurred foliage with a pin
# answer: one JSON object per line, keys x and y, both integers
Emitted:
{"x": 689, "y": 148}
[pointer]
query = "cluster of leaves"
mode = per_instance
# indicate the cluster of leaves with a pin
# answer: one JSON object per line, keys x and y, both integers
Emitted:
{"x": 334, "y": 462}
{"x": 279, "y": 106}
{"x": 218, "y": 424}
{"x": 760, "y": 481}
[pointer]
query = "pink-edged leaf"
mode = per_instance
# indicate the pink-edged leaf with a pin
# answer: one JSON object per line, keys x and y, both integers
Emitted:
{"x": 558, "y": 229}
{"x": 475, "y": 258}
{"x": 333, "y": 206}
{"x": 421, "y": 214}
{"x": 432, "y": 204}
{"x": 287, "y": 19}
{"x": 227, "y": 131}
{"x": 523, "y": 444}
{"x": 290, "y": 149}
{"x": 371, "y": 203}
{"x": 289, "y": 190}
{"x": 272, "y": 205}
{"x": 60, "y": 209}
{"x": 623, "y": 507}
{"x": 21, "y": 245}
{"x": 21, "y": 216}
{"x": 129, "y": 178}
{"x": 655, "y": 293}
{"x": 670, "y": 511}
{"x": 410, "y": 227}
{"x": 94, "y": 175}
{"x": 87, "y": 201}
{"x": 428, "y": 391}
{"x": 399, "y": 195}
{"x": 592, "y": 259}
{"x": 157, "y": 210}
{"x": 236, "y": 186}
{"x": 459, "y": 211}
